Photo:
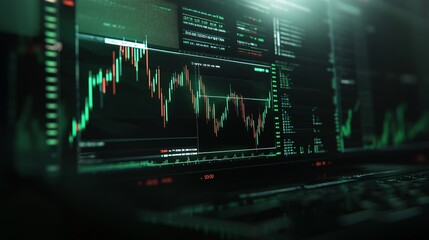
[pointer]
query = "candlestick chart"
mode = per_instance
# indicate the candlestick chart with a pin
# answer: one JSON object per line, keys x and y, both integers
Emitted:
{"x": 142, "y": 103}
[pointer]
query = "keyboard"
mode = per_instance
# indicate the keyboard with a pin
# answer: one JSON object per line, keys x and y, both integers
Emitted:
{"x": 359, "y": 204}
{"x": 375, "y": 204}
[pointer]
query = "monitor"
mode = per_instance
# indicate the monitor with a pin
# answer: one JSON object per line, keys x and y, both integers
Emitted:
{"x": 161, "y": 87}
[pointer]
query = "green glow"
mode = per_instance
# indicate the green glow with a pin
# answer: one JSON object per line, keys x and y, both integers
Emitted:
{"x": 51, "y": 115}
{"x": 51, "y": 88}
{"x": 51, "y": 34}
{"x": 120, "y": 65}
{"x": 52, "y": 142}
{"x": 50, "y": 63}
{"x": 220, "y": 17}
{"x": 50, "y": 25}
{"x": 74, "y": 132}
{"x": 396, "y": 129}
{"x": 51, "y": 95}
{"x": 51, "y": 106}
{"x": 51, "y": 125}
{"x": 117, "y": 70}
{"x": 51, "y": 54}
{"x": 86, "y": 113}
{"x": 52, "y": 133}
{"x": 346, "y": 128}
{"x": 136, "y": 165}
{"x": 90, "y": 85}
{"x": 136, "y": 59}
{"x": 166, "y": 111}
{"x": 50, "y": 19}
{"x": 51, "y": 70}
{"x": 128, "y": 52}
{"x": 50, "y": 40}
{"x": 50, "y": 9}
{"x": 51, "y": 79}
{"x": 258, "y": 69}
{"x": 52, "y": 168}
{"x": 82, "y": 122}
{"x": 118, "y": 166}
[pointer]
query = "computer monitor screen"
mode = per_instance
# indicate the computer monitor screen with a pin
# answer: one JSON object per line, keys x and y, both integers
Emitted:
{"x": 163, "y": 86}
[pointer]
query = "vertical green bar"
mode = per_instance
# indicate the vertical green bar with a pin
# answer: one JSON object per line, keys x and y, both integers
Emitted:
{"x": 120, "y": 63}
{"x": 207, "y": 109}
{"x": 214, "y": 112}
{"x": 170, "y": 89}
{"x": 236, "y": 105}
{"x": 117, "y": 70}
{"x": 74, "y": 133}
{"x": 128, "y": 52}
{"x": 197, "y": 105}
{"x": 90, "y": 92}
{"x": 264, "y": 116}
{"x": 166, "y": 111}
{"x": 198, "y": 99}
{"x": 154, "y": 80}
{"x": 86, "y": 111}
{"x": 100, "y": 79}
{"x": 82, "y": 121}
{"x": 137, "y": 68}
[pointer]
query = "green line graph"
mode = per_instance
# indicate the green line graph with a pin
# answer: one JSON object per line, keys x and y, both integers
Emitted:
{"x": 397, "y": 130}
{"x": 346, "y": 128}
